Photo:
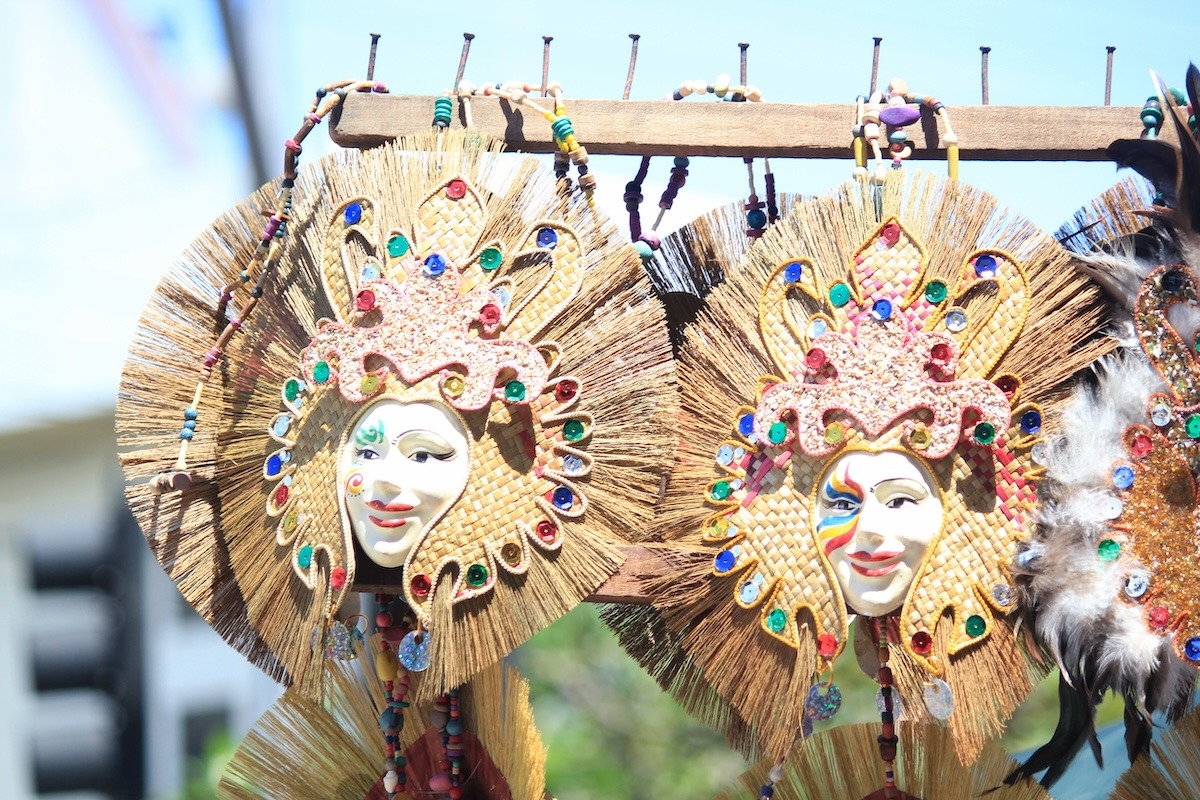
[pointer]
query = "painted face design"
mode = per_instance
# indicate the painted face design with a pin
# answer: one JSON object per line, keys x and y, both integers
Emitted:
{"x": 405, "y": 464}
{"x": 877, "y": 514}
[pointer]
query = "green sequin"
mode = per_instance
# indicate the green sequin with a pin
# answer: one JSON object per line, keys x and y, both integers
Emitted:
{"x": 477, "y": 575}
{"x": 721, "y": 490}
{"x": 491, "y": 259}
{"x": 291, "y": 390}
{"x": 985, "y": 433}
{"x": 777, "y": 432}
{"x": 1108, "y": 550}
{"x": 777, "y": 620}
{"x": 321, "y": 372}
{"x": 839, "y": 294}
{"x": 514, "y": 391}
{"x": 975, "y": 625}
{"x": 304, "y": 556}
{"x": 573, "y": 430}
{"x": 935, "y": 291}
{"x": 397, "y": 246}
{"x": 1193, "y": 426}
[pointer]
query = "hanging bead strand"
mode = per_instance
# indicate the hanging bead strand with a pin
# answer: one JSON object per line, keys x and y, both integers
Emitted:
{"x": 888, "y": 741}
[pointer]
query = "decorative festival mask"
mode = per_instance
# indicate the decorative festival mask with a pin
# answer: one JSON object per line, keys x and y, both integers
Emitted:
{"x": 894, "y": 352}
{"x": 456, "y": 372}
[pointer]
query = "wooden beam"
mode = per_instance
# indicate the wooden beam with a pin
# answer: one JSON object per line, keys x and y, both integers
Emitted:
{"x": 649, "y": 127}
{"x": 642, "y": 563}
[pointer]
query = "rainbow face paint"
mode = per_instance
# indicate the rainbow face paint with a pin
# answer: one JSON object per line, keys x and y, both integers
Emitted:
{"x": 843, "y": 497}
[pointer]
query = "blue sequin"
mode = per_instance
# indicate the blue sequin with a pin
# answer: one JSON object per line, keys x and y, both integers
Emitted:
{"x": 725, "y": 455}
{"x": 985, "y": 266}
{"x": 563, "y": 498}
{"x": 724, "y": 561}
{"x": 748, "y": 593}
{"x": 1031, "y": 421}
{"x": 370, "y": 272}
{"x": 353, "y": 213}
{"x": 1122, "y": 477}
{"x": 435, "y": 264}
{"x": 1191, "y": 649}
{"x": 572, "y": 465}
{"x": 746, "y": 424}
{"x": 274, "y": 464}
{"x": 793, "y": 272}
{"x": 881, "y": 310}
{"x": 547, "y": 237}
{"x": 280, "y": 428}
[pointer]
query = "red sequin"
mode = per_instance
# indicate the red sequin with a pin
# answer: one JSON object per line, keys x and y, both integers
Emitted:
{"x": 364, "y": 300}
{"x": 1141, "y": 445}
{"x": 827, "y": 645}
{"x": 421, "y": 585}
{"x": 1159, "y": 617}
{"x": 281, "y": 496}
{"x": 337, "y": 578}
{"x": 815, "y": 359}
{"x": 489, "y": 314}
{"x": 890, "y": 234}
{"x": 922, "y": 642}
{"x": 940, "y": 352}
{"x": 565, "y": 390}
{"x": 1008, "y": 385}
{"x": 547, "y": 531}
{"x": 456, "y": 189}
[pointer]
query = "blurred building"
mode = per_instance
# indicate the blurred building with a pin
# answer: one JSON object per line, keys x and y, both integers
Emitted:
{"x": 109, "y": 682}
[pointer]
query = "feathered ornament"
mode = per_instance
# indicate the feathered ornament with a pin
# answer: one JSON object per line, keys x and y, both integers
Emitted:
{"x": 910, "y": 339}
{"x": 1107, "y": 581}
{"x": 454, "y": 384}
{"x": 840, "y": 763}
{"x": 303, "y": 750}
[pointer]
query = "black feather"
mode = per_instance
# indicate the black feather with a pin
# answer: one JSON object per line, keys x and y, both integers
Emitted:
{"x": 1076, "y": 725}
{"x": 1138, "y": 730}
{"x": 1154, "y": 159}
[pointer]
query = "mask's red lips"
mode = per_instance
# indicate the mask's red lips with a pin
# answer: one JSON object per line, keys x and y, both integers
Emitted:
{"x": 859, "y": 561}
{"x": 381, "y": 506}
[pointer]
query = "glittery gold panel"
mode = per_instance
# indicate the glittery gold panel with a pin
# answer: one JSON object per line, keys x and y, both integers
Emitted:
{"x": 1173, "y": 359}
{"x": 1155, "y": 539}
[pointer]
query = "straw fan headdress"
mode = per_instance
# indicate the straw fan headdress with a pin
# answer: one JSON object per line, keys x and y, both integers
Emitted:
{"x": 455, "y": 371}
{"x": 863, "y": 400}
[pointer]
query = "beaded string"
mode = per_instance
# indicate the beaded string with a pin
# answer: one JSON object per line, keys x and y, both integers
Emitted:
{"x": 447, "y": 716}
{"x": 262, "y": 261}
{"x": 646, "y": 242}
{"x": 569, "y": 149}
{"x": 395, "y": 687}
{"x": 868, "y": 131}
{"x": 880, "y": 636}
{"x": 773, "y": 777}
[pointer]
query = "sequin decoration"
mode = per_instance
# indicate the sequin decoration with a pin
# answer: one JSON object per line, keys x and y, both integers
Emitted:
{"x": 1161, "y": 415}
{"x": 939, "y": 699}
{"x": 573, "y": 465}
{"x": 1122, "y": 477}
{"x": 547, "y": 237}
{"x": 1136, "y": 585}
{"x": 824, "y": 701}
{"x": 397, "y": 246}
{"x": 956, "y": 321}
{"x": 341, "y": 641}
{"x": 353, "y": 213}
{"x": 985, "y": 266}
{"x": 748, "y": 593}
{"x": 777, "y": 620}
{"x": 724, "y": 455}
{"x": 724, "y": 561}
{"x": 413, "y": 651}
{"x": 793, "y": 272}
{"x": 1002, "y": 595}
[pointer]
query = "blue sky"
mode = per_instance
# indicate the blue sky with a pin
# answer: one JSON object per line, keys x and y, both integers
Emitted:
{"x": 123, "y": 145}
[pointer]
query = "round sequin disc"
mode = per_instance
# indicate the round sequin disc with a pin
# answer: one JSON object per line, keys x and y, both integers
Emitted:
{"x": 748, "y": 592}
{"x": 1136, "y": 585}
{"x": 1108, "y": 550}
{"x": 824, "y": 701}
{"x": 956, "y": 321}
{"x": 724, "y": 455}
{"x": 939, "y": 699}
{"x": 792, "y": 272}
{"x": 724, "y": 561}
{"x": 1191, "y": 649}
{"x": 839, "y": 295}
{"x": 1160, "y": 415}
{"x": 413, "y": 651}
{"x": 1122, "y": 477}
{"x": 1002, "y": 595}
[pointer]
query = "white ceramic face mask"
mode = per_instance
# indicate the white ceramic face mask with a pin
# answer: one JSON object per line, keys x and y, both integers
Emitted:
{"x": 404, "y": 464}
{"x": 877, "y": 514}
